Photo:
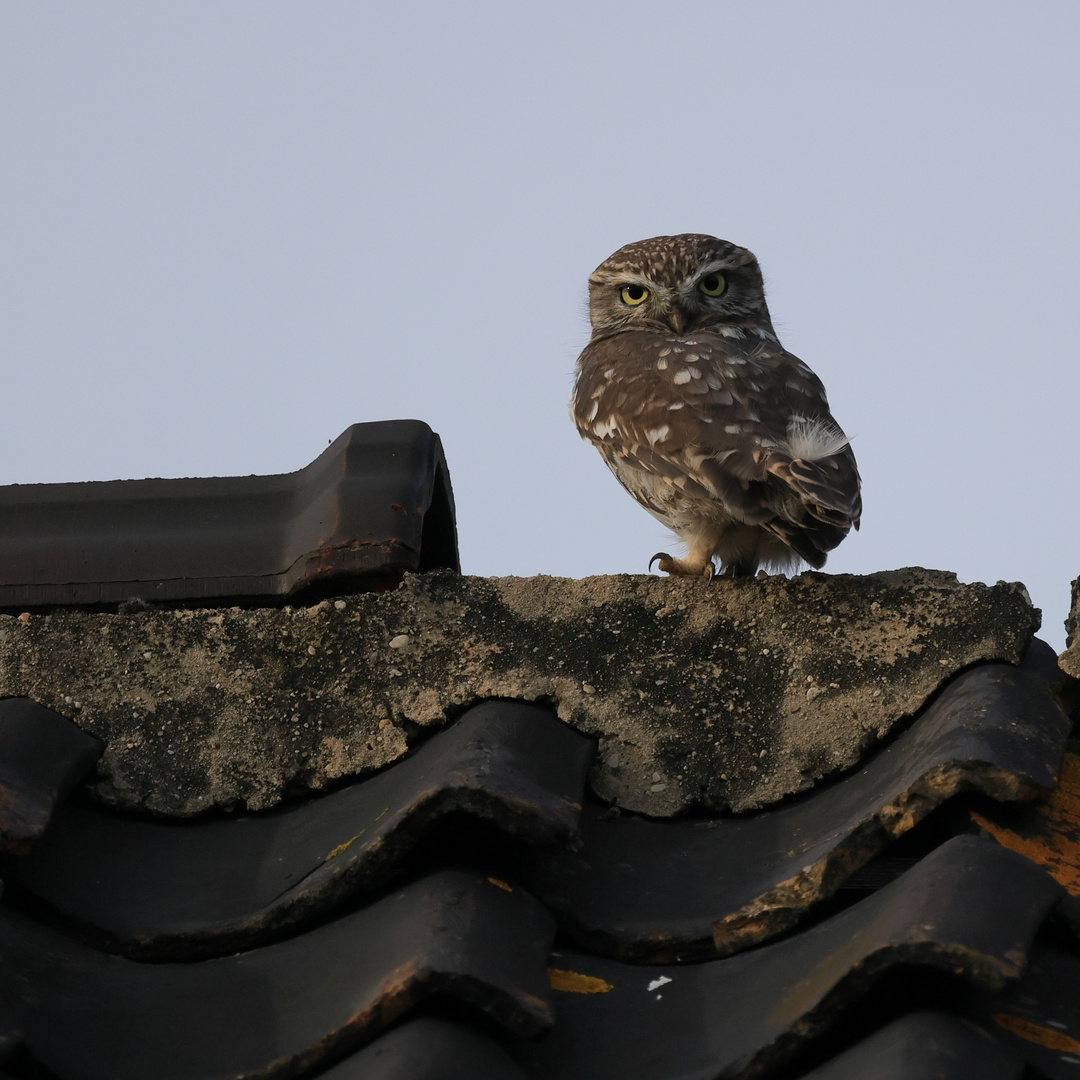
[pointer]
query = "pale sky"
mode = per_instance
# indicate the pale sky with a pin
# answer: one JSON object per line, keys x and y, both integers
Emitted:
{"x": 231, "y": 228}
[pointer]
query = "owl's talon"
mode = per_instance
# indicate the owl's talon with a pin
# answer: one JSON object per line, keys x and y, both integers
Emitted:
{"x": 665, "y": 560}
{"x": 681, "y": 567}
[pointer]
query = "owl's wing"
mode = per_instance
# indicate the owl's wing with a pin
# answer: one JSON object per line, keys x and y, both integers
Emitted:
{"x": 715, "y": 420}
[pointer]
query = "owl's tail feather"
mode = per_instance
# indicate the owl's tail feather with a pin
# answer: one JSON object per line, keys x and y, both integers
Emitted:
{"x": 812, "y": 541}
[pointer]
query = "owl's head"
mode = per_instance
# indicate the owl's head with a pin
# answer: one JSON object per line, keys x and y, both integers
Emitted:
{"x": 677, "y": 284}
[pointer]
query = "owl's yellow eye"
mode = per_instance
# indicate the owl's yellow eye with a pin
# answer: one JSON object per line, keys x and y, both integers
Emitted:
{"x": 634, "y": 294}
{"x": 712, "y": 284}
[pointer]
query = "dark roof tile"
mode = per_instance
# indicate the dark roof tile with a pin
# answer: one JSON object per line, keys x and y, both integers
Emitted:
{"x": 373, "y": 505}
{"x": 654, "y": 892}
{"x": 42, "y": 757}
{"x": 429, "y": 1049}
{"x": 158, "y": 889}
{"x": 278, "y": 1010}
{"x": 1046, "y": 830}
{"x": 925, "y": 1046}
{"x": 969, "y": 908}
{"x": 1038, "y": 1017}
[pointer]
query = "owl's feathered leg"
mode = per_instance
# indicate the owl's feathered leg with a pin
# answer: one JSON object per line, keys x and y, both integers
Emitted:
{"x": 701, "y": 539}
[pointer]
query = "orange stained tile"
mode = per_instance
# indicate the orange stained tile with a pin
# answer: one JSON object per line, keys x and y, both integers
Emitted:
{"x": 344, "y": 847}
{"x": 1051, "y": 838}
{"x": 1043, "y": 1036}
{"x": 570, "y": 982}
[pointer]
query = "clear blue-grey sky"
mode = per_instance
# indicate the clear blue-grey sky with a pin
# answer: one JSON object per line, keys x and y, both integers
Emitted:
{"x": 230, "y": 230}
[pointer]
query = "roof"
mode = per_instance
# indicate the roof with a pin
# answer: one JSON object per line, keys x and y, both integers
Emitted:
{"x": 477, "y": 897}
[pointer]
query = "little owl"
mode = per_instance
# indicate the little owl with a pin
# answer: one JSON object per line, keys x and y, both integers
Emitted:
{"x": 704, "y": 417}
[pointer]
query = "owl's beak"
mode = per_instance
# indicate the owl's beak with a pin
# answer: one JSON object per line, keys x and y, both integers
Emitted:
{"x": 678, "y": 319}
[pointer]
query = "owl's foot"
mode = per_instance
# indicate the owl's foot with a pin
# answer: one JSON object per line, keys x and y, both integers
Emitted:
{"x": 741, "y": 569}
{"x": 682, "y": 567}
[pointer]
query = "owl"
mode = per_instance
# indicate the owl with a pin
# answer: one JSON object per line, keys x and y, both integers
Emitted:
{"x": 704, "y": 417}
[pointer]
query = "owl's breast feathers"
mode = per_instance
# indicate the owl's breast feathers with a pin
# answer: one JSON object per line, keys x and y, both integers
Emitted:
{"x": 725, "y": 416}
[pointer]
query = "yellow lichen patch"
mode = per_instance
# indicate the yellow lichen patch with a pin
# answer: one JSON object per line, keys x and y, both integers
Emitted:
{"x": 1043, "y": 1036}
{"x": 342, "y": 847}
{"x": 501, "y": 884}
{"x": 570, "y": 982}
{"x": 1052, "y": 840}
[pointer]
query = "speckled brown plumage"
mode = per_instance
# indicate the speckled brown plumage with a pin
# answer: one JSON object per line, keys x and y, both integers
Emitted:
{"x": 704, "y": 417}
